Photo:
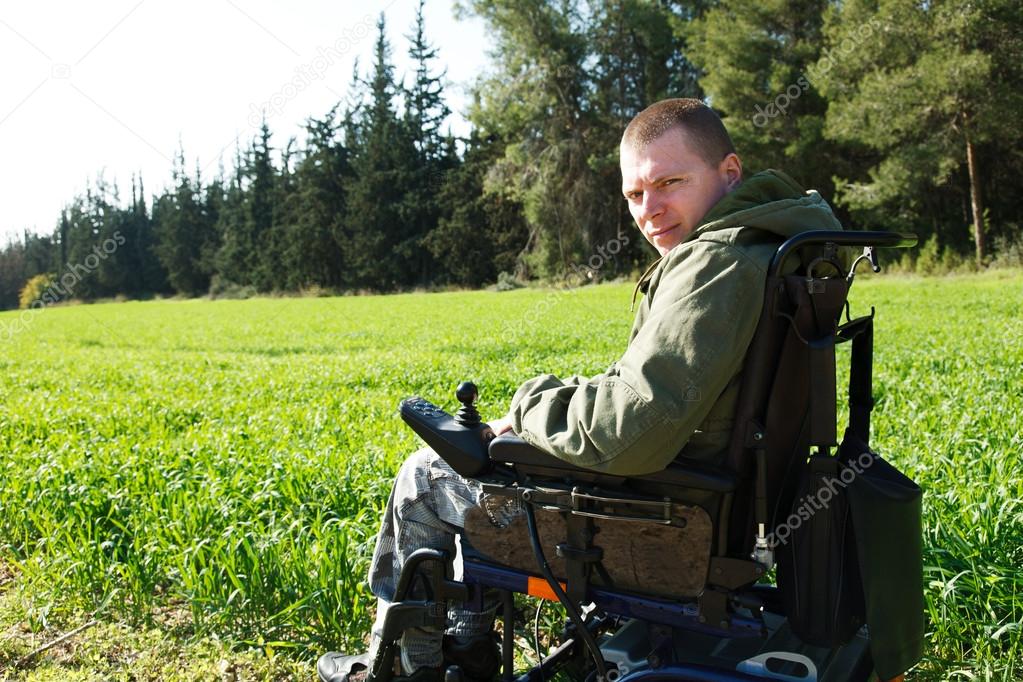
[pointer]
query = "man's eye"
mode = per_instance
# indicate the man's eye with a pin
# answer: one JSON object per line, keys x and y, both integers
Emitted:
{"x": 633, "y": 196}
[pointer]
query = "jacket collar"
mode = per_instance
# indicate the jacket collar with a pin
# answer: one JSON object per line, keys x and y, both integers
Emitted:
{"x": 644, "y": 282}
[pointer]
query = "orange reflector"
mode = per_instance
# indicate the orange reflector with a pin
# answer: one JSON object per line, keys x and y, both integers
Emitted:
{"x": 538, "y": 587}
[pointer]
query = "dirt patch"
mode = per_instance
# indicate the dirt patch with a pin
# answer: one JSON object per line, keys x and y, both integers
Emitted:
{"x": 8, "y": 575}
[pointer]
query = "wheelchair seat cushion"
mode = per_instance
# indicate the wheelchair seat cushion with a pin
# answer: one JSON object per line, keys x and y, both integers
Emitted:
{"x": 510, "y": 449}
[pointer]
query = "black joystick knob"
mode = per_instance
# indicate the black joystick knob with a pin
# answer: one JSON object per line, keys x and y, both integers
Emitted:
{"x": 468, "y": 416}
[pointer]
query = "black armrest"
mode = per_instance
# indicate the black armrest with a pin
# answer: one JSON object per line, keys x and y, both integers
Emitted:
{"x": 511, "y": 449}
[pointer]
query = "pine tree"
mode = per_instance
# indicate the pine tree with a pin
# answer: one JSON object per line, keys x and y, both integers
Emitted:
{"x": 260, "y": 199}
{"x": 184, "y": 232}
{"x": 91, "y": 221}
{"x": 637, "y": 61}
{"x": 79, "y": 245}
{"x": 428, "y": 159}
{"x": 212, "y": 201}
{"x": 152, "y": 277}
{"x": 479, "y": 234}
{"x": 425, "y": 109}
{"x": 756, "y": 59}
{"x": 283, "y": 273}
{"x": 246, "y": 254}
{"x": 537, "y": 100}
{"x": 375, "y": 193}
{"x": 314, "y": 253}
{"x": 13, "y": 276}
{"x": 231, "y": 227}
{"x": 39, "y": 256}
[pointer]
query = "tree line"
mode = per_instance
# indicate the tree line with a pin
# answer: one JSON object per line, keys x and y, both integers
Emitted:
{"x": 903, "y": 114}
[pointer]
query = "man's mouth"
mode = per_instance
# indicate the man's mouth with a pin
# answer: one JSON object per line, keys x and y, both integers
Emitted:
{"x": 662, "y": 230}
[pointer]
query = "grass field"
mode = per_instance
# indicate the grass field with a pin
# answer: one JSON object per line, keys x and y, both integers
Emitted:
{"x": 204, "y": 478}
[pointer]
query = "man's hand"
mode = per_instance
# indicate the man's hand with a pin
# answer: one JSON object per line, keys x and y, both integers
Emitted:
{"x": 499, "y": 426}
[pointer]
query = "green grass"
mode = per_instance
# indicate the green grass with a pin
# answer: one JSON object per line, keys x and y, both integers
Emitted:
{"x": 226, "y": 462}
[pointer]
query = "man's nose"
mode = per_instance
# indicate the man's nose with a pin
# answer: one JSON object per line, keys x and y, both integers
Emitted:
{"x": 651, "y": 207}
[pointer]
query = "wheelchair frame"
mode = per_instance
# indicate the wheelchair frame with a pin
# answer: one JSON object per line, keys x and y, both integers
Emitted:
{"x": 733, "y": 628}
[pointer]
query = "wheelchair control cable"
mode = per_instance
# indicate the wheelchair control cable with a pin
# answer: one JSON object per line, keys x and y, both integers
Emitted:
{"x": 573, "y": 613}
{"x": 536, "y": 639}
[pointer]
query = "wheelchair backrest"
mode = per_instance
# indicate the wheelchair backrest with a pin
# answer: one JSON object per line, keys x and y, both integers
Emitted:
{"x": 787, "y": 402}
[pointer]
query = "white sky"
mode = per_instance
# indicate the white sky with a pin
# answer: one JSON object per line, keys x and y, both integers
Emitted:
{"x": 113, "y": 86}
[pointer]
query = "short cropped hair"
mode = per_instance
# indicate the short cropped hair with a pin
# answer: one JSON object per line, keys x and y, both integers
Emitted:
{"x": 700, "y": 125}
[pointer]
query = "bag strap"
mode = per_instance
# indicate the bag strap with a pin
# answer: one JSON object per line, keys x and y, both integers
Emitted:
{"x": 861, "y": 368}
{"x": 823, "y": 300}
{"x": 821, "y": 356}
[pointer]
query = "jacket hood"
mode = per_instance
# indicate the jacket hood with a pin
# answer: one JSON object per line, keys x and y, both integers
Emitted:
{"x": 770, "y": 201}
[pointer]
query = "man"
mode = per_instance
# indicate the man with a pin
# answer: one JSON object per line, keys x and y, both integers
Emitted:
{"x": 673, "y": 392}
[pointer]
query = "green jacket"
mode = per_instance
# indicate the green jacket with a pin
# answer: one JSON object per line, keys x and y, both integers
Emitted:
{"x": 674, "y": 391}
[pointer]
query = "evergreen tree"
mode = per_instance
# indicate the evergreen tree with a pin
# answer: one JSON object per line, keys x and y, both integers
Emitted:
{"x": 314, "y": 252}
{"x": 40, "y": 254}
{"x": 537, "y": 100}
{"x": 480, "y": 234}
{"x": 89, "y": 218}
{"x": 13, "y": 275}
{"x": 282, "y": 273}
{"x": 231, "y": 228}
{"x": 375, "y": 193}
{"x": 425, "y": 109}
{"x": 183, "y": 231}
{"x": 79, "y": 240}
{"x": 212, "y": 200}
{"x": 117, "y": 270}
{"x": 756, "y": 59}
{"x": 63, "y": 231}
{"x": 638, "y": 61}
{"x": 566, "y": 80}
{"x": 260, "y": 197}
{"x": 430, "y": 156}
{"x": 246, "y": 218}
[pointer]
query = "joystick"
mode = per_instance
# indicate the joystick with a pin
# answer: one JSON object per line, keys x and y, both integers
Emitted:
{"x": 468, "y": 416}
{"x": 461, "y": 441}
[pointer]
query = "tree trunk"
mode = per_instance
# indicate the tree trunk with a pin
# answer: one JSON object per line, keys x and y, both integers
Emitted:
{"x": 978, "y": 209}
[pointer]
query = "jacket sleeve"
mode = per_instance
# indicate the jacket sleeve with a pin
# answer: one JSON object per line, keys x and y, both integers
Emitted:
{"x": 636, "y": 417}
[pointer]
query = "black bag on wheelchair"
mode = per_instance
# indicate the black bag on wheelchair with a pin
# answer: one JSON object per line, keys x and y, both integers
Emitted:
{"x": 885, "y": 508}
{"x": 818, "y": 572}
{"x": 850, "y": 552}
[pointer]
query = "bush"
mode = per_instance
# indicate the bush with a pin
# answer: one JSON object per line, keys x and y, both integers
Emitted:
{"x": 928, "y": 259}
{"x": 506, "y": 282}
{"x": 225, "y": 288}
{"x": 34, "y": 290}
{"x": 314, "y": 291}
{"x": 1008, "y": 253}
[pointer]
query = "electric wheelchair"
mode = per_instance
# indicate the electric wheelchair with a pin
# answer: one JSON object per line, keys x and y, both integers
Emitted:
{"x": 668, "y": 576}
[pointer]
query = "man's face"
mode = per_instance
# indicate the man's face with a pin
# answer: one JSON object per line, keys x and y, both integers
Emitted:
{"x": 670, "y": 188}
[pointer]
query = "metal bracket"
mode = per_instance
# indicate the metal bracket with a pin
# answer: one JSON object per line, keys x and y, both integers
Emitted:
{"x": 726, "y": 575}
{"x": 661, "y": 508}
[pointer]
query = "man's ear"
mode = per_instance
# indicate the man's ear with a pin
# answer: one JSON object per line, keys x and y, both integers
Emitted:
{"x": 731, "y": 169}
